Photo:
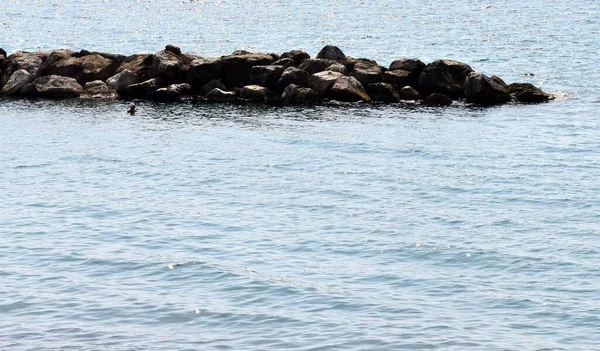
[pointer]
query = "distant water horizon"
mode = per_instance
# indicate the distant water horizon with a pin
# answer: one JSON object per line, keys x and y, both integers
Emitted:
{"x": 341, "y": 227}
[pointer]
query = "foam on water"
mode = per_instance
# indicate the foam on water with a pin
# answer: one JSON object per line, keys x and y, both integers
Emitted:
{"x": 196, "y": 226}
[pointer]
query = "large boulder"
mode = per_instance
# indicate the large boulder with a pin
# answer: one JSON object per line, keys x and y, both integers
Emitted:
{"x": 367, "y": 72}
{"x": 292, "y": 75}
{"x": 383, "y": 92}
{"x": 412, "y": 65}
{"x": 97, "y": 90}
{"x": 297, "y": 95}
{"x": 313, "y": 66}
{"x": 122, "y": 80}
{"x": 446, "y": 77}
{"x": 528, "y": 93}
{"x": 348, "y": 89}
{"x": 236, "y": 68}
{"x": 146, "y": 89}
{"x": 437, "y": 99}
{"x": 53, "y": 87}
{"x": 221, "y": 95}
{"x": 400, "y": 78}
{"x": 337, "y": 67}
{"x": 140, "y": 64}
{"x": 266, "y": 76}
{"x": 203, "y": 70}
{"x": 169, "y": 66}
{"x": 84, "y": 69}
{"x": 210, "y": 86}
{"x": 409, "y": 93}
{"x": 173, "y": 92}
{"x": 296, "y": 55}
{"x": 28, "y": 61}
{"x": 483, "y": 90}
{"x": 16, "y": 82}
{"x": 257, "y": 93}
{"x": 331, "y": 52}
{"x": 52, "y": 58}
{"x": 321, "y": 82}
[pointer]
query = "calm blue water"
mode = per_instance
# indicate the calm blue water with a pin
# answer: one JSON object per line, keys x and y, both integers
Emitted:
{"x": 203, "y": 227}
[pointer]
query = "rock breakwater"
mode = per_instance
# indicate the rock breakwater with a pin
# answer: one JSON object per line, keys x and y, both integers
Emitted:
{"x": 293, "y": 77}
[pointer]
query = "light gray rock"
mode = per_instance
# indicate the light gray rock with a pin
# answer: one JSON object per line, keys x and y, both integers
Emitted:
{"x": 221, "y": 95}
{"x": 97, "y": 90}
{"x": 122, "y": 80}
{"x": 348, "y": 89}
{"x": 321, "y": 82}
{"x": 53, "y": 87}
{"x": 16, "y": 82}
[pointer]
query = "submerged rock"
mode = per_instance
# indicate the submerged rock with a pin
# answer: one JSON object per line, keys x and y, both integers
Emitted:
{"x": 528, "y": 93}
{"x": 437, "y": 99}
{"x": 221, "y": 95}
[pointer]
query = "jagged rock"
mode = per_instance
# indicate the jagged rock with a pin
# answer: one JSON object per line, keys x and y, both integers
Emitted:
{"x": 174, "y": 49}
{"x": 349, "y": 89}
{"x": 266, "y": 76}
{"x": 383, "y": 92}
{"x": 28, "y": 61}
{"x": 445, "y": 77}
{"x": 437, "y": 99}
{"x": 203, "y": 70}
{"x": 313, "y": 66}
{"x": 483, "y": 90}
{"x": 97, "y": 90}
{"x": 140, "y": 64}
{"x": 295, "y": 94}
{"x": 331, "y": 52}
{"x": 292, "y": 75}
{"x": 296, "y": 55}
{"x": 414, "y": 66}
{"x": 236, "y": 68}
{"x": 221, "y": 95}
{"x": 321, "y": 82}
{"x": 257, "y": 93}
{"x": 122, "y": 80}
{"x": 528, "y": 93}
{"x": 337, "y": 67}
{"x": 146, "y": 89}
{"x": 52, "y": 59}
{"x": 169, "y": 66}
{"x": 400, "y": 78}
{"x": 53, "y": 87}
{"x": 16, "y": 82}
{"x": 84, "y": 69}
{"x": 285, "y": 62}
{"x": 173, "y": 92}
{"x": 213, "y": 84}
{"x": 409, "y": 93}
{"x": 367, "y": 73}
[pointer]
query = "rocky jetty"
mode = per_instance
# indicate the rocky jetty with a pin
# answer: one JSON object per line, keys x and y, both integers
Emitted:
{"x": 290, "y": 78}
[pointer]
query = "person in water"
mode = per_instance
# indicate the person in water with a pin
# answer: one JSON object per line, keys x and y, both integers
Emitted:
{"x": 131, "y": 110}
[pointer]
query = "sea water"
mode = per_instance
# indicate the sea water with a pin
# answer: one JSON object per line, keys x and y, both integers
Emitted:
{"x": 337, "y": 227}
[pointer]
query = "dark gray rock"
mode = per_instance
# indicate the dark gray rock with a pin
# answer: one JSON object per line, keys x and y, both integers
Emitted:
{"x": 53, "y": 87}
{"x": 367, "y": 73}
{"x": 169, "y": 66}
{"x": 321, "y": 82}
{"x": 210, "y": 86}
{"x": 348, "y": 89}
{"x": 200, "y": 71}
{"x": 483, "y": 90}
{"x": 383, "y": 92}
{"x": 297, "y": 95}
{"x": 3, "y": 52}
{"x": 437, "y": 99}
{"x": 266, "y": 76}
{"x": 122, "y": 80}
{"x": 409, "y": 93}
{"x": 285, "y": 62}
{"x": 221, "y": 95}
{"x": 297, "y": 55}
{"x": 528, "y": 93}
{"x": 292, "y": 75}
{"x": 140, "y": 64}
{"x": 174, "y": 49}
{"x": 414, "y": 66}
{"x": 236, "y": 68}
{"x": 313, "y": 66}
{"x": 400, "y": 78}
{"x": 97, "y": 90}
{"x": 330, "y": 52}
{"x": 445, "y": 77}
{"x": 16, "y": 82}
